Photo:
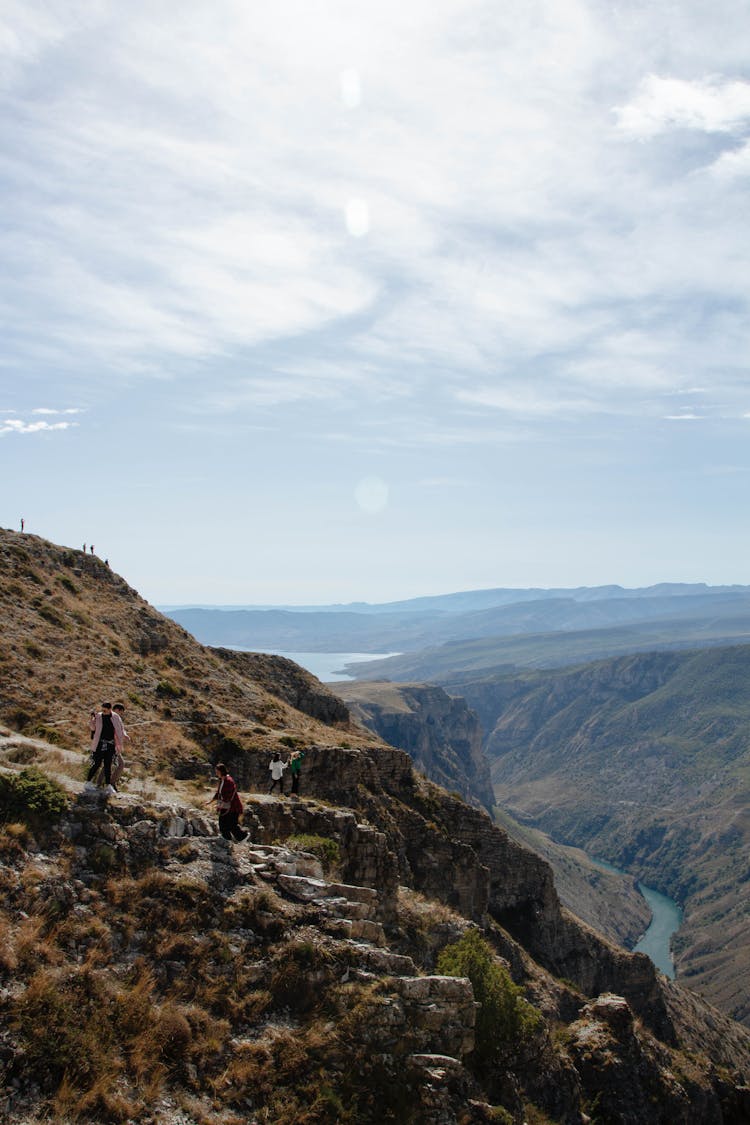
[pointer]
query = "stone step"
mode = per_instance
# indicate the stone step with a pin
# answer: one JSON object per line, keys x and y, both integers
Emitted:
{"x": 266, "y": 858}
{"x": 343, "y": 908}
{"x": 355, "y": 894}
{"x": 383, "y": 962}
{"x": 309, "y": 889}
{"x": 364, "y": 929}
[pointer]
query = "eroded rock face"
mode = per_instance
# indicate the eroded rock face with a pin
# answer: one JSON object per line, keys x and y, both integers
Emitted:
{"x": 628, "y": 1075}
{"x": 441, "y": 734}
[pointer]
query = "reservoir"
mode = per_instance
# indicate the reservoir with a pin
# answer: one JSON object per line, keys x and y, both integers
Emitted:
{"x": 329, "y": 666}
{"x": 666, "y": 919}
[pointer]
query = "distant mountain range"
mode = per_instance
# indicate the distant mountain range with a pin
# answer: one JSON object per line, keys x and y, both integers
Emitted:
{"x": 481, "y": 628}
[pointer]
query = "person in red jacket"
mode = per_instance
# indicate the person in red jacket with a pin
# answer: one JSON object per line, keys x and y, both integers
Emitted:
{"x": 228, "y": 805}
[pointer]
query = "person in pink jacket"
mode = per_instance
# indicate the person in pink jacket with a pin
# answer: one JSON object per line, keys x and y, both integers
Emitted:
{"x": 107, "y": 737}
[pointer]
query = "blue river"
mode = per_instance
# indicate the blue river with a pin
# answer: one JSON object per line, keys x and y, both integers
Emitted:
{"x": 666, "y": 919}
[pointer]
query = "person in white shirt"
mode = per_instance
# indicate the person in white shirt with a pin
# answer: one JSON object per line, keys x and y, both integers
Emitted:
{"x": 277, "y": 767}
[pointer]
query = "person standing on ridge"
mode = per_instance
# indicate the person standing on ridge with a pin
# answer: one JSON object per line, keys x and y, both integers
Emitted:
{"x": 277, "y": 767}
{"x": 228, "y": 805}
{"x": 119, "y": 762}
{"x": 108, "y": 735}
{"x": 23, "y": 523}
{"x": 295, "y": 768}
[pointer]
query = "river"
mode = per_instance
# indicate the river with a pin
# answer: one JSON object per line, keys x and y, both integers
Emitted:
{"x": 666, "y": 919}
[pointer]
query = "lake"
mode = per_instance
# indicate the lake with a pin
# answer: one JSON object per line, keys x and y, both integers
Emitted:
{"x": 328, "y": 666}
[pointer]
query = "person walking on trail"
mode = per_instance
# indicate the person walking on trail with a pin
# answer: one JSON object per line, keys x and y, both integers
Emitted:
{"x": 118, "y": 765}
{"x": 107, "y": 738}
{"x": 277, "y": 767}
{"x": 295, "y": 768}
{"x": 228, "y": 805}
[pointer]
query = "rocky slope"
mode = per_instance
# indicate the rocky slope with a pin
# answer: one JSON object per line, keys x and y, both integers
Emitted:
{"x": 644, "y": 761}
{"x": 610, "y": 902}
{"x": 150, "y": 971}
{"x": 444, "y": 740}
{"x": 441, "y": 734}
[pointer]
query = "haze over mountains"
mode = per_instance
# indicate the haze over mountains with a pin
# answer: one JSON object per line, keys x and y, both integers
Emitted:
{"x": 488, "y": 628}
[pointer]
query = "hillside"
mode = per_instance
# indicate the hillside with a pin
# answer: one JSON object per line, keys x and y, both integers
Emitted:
{"x": 152, "y": 972}
{"x": 496, "y": 655}
{"x": 644, "y": 761}
{"x": 441, "y": 735}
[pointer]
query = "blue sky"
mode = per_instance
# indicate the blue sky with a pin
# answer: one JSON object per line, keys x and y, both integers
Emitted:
{"x": 306, "y": 302}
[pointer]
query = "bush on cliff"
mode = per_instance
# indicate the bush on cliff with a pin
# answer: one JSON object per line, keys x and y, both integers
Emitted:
{"x": 505, "y": 1021}
{"x": 32, "y": 797}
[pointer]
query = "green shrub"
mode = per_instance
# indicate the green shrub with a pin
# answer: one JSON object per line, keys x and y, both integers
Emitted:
{"x": 326, "y": 850}
{"x": 167, "y": 690}
{"x": 68, "y": 584}
{"x": 31, "y": 796}
{"x": 505, "y": 1021}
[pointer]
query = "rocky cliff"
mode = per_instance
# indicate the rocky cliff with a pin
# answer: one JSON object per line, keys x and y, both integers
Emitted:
{"x": 150, "y": 970}
{"x": 441, "y": 734}
{"x": 643, "y": 761}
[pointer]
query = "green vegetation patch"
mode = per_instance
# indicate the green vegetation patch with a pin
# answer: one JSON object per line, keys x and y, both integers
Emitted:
{"x": 165, "y": 689}
{"x": 323, "y": 847}
{"x": 31, "y": 797}
{"x": 505, "y": 1021}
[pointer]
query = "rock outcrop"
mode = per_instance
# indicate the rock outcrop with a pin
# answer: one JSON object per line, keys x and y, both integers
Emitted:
{"x": 441, "y": 734}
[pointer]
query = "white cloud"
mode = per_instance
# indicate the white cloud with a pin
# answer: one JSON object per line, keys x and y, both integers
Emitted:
{"x": 209, "y": 170}
{"x": 15, "y": 426}
{"x": 712, "y": 105}
{"x": 48, "y": 410}
{"x": 528, "y": 401}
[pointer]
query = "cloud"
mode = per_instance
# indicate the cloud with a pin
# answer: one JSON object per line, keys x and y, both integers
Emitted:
{"x": 524, "y": 400}
{"x": 427, "y": 202}
{"x": 15, "y": 426}
{"x": 48, "y": 410}
{"x": 711, "y": 105}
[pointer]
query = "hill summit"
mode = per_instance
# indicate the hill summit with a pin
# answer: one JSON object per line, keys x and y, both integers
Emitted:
{"x": 328, "y": 970}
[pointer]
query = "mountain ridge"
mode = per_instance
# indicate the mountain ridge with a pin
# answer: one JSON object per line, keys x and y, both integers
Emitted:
{"x": 135, "y": 906}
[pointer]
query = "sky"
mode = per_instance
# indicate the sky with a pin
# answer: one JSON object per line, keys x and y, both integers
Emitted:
{"x": 308, "y": 302}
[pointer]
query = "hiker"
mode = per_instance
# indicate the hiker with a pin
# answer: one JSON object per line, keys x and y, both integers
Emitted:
{"x": 277, "y": 767}
{"x": 228, "y": 804}
{"x": 106, "y": 739}
{"x": 295, "y": 768}
{"x": 118, "y": 765}
{"x": 23, "y": 523}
